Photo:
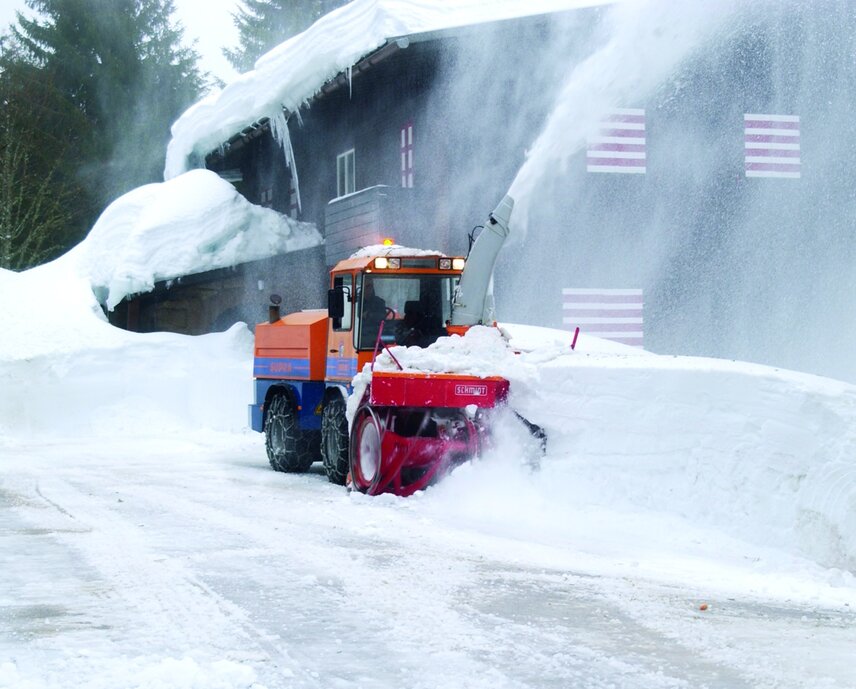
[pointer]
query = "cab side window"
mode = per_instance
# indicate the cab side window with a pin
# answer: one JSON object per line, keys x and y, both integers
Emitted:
{"x": 347, "y": 283}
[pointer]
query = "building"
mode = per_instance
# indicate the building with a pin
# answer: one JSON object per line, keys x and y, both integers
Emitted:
{"x": 736, "y": 223}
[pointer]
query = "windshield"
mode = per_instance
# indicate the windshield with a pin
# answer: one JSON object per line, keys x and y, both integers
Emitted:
{"x": 415, "y": 308}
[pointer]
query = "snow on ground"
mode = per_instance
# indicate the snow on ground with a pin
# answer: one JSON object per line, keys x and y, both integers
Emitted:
{"x": 768, "y": 456}
{"x": 293, "y": 72}
{"x": 148, "y": 544}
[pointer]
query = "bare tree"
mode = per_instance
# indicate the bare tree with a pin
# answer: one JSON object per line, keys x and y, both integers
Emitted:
{"x": 34, "y": 209}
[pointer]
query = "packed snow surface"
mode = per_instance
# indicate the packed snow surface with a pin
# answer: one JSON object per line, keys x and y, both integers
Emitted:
{"x": 293, "y": 72}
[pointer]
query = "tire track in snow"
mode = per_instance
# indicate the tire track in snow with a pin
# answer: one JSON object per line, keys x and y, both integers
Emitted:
{"x": 364, "y": 589}
{"x": 391, "y": 565}
{"x": 169, "y": 610}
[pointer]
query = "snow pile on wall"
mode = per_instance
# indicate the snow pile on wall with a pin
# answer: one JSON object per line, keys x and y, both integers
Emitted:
{"x": 133, "y": 244}
{"x": 294, "y": 71}
{"x": 768, "y": 456}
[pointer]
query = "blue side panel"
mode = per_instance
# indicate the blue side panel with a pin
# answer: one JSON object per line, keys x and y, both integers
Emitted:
{"x": 310, "y": 405}
{"x": 341, "y": 367}
{"x": 268, "y": 367}
{"x": 308, "y": 395}
{"x": 256, "y": 417}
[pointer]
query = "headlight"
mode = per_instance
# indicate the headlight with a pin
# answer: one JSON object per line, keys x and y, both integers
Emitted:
{"x": 383, "y": 263}
{"x": 458, "y": 263}
{"x": 445, "y": 264}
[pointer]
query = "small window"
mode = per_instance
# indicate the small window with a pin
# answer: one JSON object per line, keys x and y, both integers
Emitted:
{"x": 407, "y": 156}
{"x": 345, "y": 177}
{"x": 347, "y": 283}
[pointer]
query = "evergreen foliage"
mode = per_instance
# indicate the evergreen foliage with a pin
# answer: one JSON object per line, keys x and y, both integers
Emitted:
{"x": 43, "y": 203}
{"x": 264, "y": 24}
{"x": 89, "y": 90}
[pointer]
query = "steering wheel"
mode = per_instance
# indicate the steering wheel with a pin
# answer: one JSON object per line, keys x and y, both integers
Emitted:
{"x": 390, "y": 314}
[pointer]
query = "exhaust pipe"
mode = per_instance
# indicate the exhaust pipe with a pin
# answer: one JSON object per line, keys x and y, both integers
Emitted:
{"x": 273, "y": 308}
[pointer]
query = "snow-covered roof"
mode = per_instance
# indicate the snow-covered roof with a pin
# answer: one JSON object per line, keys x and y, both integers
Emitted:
{"x": 393, "y": 250}
{"x": 290, "y": 74}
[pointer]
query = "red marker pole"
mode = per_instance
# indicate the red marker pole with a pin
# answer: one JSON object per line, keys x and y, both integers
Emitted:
{"x": 576, "y": 335}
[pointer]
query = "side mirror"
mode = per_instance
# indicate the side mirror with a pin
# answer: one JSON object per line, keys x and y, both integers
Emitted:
{"x": 336, "y": 302}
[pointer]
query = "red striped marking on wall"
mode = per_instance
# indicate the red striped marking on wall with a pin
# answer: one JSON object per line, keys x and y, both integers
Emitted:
{"x": 620, "y": 145}
{"x": 613, "y": 314}
{"x": 771, "y": 145}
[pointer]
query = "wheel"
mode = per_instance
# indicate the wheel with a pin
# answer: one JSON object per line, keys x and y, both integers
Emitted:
{"x": 365, "y": 454}
{"x": 334, "y": 440}
{"x": 288, "y": 448}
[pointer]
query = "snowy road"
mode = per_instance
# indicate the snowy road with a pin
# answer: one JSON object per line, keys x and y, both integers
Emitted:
{"x": 182, "y": 563}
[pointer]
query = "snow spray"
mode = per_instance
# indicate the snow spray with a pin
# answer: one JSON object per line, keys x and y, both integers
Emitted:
{"x": 643, "y": 43}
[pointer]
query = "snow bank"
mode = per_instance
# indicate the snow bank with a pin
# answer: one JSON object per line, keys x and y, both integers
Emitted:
{"x": 65, "y": 370}
{"x": 768, "y": 456}
{"x": 132, "y": 385}
{"x": 294, "y": 71}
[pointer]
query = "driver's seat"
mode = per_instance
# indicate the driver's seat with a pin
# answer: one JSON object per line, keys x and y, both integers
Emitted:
{"x": 409, "y": 330}
{"x": 412, "y": 313}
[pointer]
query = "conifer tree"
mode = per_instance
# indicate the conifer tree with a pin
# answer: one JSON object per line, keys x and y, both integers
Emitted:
{"x": 122, "y": 65}
{"x": 264, "y": 24}
{"x": 89, "y": 90}
{"x": 43, "y": 205}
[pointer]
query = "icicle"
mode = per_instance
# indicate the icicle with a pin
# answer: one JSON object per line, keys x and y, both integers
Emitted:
{"x": 350, "y": 73}
{"x": 279, "y": 129}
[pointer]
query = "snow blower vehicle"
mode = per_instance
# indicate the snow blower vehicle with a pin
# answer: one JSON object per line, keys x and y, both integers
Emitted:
{"x": 409, "y": 427}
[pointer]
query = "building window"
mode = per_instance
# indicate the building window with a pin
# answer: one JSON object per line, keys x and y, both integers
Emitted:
{"x": 267, "y": 197}
{"x": 345, "y": 177}
{"x": 407, "y": 156}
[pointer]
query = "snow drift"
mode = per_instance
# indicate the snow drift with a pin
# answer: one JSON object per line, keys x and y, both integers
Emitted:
{"x": 769, "y": 456}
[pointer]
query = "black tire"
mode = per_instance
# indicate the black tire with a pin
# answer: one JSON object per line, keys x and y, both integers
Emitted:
{"x": 288, "y": 448}
{"x": 334, "y": 440}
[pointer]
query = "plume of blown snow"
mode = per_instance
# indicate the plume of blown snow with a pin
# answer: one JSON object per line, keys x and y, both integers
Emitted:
{"x": 644, "y": 43}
